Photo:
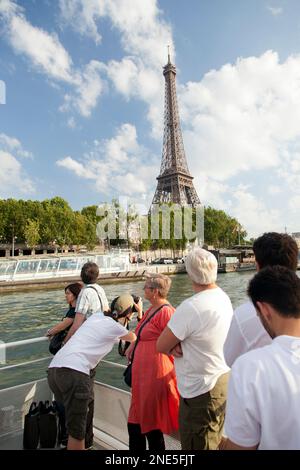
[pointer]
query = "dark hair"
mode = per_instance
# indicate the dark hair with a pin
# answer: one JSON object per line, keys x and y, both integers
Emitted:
{"x": 89, "y": 273}
{"x": 279, "y": 287}
{"x": 276, "y": 249}
{"x": 74, "y": 288}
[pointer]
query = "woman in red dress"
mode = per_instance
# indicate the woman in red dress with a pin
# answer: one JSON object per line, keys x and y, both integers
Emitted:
{"x": 155, "y": 398}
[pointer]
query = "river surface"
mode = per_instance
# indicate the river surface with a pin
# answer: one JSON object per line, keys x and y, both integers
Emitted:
{"x": 26, "y": 315}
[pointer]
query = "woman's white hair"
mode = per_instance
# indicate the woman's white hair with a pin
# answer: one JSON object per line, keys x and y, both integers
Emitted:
{"x": 201, "y": 266}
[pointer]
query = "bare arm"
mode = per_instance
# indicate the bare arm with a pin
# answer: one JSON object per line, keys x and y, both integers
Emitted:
{"x": 227, "y": 444}
{"x": 139, "y": 309}
{"x": 78, "y": 320}
{"x": 131, "y": 337}
{"x": 167, "y": 341}
{"x": 65, "y": 323}
{"x": 128, "y": 352}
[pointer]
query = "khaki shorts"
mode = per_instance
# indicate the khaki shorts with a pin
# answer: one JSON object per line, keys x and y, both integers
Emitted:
{"x": 73, "y": 389}
{"x": 201, "y": 419}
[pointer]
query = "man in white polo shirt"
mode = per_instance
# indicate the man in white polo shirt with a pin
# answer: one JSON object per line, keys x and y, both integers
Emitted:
{"x": 195, "y": 335}
{"x": 246, "y": 331}
{"x": 262, "y": 410}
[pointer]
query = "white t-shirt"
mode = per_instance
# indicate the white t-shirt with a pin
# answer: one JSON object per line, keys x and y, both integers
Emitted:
{"x": 264, "y": 395}
{"x": 89, "y": 301}
{"x": 201, "y": 323}
{"x": 89, "y": 344}
{"x": 245, "y": 333}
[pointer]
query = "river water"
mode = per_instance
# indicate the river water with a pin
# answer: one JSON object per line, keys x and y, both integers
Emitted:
{"x": 26, "y": 315}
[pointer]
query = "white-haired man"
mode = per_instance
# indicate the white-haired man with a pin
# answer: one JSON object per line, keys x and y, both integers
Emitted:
{"x": 195, "y": 335}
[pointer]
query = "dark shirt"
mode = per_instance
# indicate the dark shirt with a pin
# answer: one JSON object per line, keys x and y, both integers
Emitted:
{"x": 70, "y": 313}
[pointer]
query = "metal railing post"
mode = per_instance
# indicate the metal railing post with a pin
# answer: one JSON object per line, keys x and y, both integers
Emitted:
{"x": 16, "y": 268}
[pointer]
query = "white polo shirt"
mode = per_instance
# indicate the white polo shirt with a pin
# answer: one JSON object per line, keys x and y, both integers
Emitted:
{"x": 201, "y": 322}
{"x": 245, "y": 333}
{"x": 264, "y": 396}
{"x": 89, "y": 344}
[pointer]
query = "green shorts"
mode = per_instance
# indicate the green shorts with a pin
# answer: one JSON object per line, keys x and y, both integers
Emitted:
{"x": 201, "y": 419}
{"x": 73, "y": 389}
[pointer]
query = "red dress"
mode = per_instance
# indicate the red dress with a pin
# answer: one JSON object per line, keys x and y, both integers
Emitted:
{"x": 155, "y": 398}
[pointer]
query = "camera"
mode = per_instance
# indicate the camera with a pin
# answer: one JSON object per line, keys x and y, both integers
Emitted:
{"x": 136, "y": 299}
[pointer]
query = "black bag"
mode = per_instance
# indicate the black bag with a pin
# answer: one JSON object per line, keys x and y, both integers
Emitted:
{"x": 31, "y": 433}
{"x": 56, "y": 341}
{"x": 127, "y": 375}
{"x": 48, "y": 425}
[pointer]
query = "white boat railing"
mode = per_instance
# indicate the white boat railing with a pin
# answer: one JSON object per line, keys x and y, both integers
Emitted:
{"x": 23, "y": 342}
{"x": 34, "y": 361}
{"x": 4, "y": 346}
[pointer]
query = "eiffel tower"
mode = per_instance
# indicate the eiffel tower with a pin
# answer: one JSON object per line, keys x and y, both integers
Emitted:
{"x": 175, "y": 183}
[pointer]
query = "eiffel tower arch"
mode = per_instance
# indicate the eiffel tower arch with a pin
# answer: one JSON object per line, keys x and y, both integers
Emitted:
{"x": 175, "y": 183}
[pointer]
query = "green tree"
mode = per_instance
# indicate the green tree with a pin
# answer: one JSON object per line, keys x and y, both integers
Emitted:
{"x": 222, "y": 230}
{"x": 31, "y": 233}
{"x": 57, "y": 221}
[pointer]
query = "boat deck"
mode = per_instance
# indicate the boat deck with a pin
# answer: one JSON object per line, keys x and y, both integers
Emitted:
{"x": 110, "y": 417}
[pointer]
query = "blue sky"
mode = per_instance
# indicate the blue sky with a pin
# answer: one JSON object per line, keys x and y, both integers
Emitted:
{"x": 83, "y": 115}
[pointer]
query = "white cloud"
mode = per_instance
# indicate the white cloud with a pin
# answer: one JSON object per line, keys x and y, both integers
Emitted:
{"x": 144, "y": 36}
{"x": 254, "y": 214}
{"x": 273, "y": 190}
{"x": 12, "y": 176}
{"x": 87, "y": 92}
{"x": 13, "y": 144}
{"x": 117, "y": 166}
{"x": 82, "y": 16}
{"x": 242, "y": 117}
{"x": 211, "y": 192}
{"x": 48, "y": 55}
{"x": 143, "y": 31}
{"x": 71, "y": 123}
{"x": 294, "y": 204}
{"x": 76, "y": 167}
{"x": 43, "y": 49}
{"x": 289, "y": 169}
{"x": 7, "y": 7}
{"x": 275, "y": 11}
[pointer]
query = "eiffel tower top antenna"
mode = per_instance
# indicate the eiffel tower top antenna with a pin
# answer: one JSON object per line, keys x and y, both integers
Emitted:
{"x": 169, "y": 59}
{"x": 175, "y": 183}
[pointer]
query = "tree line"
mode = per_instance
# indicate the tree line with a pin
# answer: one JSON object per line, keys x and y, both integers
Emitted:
{"x": 49, "y": 222}
{"x": 54, "y": 222}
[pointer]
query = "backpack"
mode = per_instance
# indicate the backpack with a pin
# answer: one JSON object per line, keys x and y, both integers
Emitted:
{"x": 56, "y": 341}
